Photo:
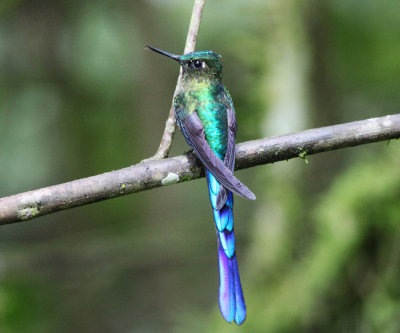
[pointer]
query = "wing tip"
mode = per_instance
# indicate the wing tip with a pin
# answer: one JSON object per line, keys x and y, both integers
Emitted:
{"x": 247, "y": 194}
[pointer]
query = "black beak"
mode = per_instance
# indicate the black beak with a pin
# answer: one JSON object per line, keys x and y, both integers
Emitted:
{"x": 169, "y": 55}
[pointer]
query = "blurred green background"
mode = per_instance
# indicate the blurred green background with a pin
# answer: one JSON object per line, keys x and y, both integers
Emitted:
{"x": 319, "y": 251}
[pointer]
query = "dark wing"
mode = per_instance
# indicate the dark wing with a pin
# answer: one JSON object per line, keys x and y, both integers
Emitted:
{"x": 229, "y": 159}
{"x": 225, "y": 98}
{"x": 193, "y": 131}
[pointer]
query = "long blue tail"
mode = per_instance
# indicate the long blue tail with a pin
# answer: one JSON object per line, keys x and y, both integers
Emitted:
{"x": 231, "y": 300}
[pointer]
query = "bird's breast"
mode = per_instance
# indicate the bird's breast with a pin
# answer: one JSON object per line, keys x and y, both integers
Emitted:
{"x": 213, "y": 116}
{"x": 200, "y": 96}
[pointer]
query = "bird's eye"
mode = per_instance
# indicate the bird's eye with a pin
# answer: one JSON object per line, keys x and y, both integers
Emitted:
{"x": 197, "y": 64}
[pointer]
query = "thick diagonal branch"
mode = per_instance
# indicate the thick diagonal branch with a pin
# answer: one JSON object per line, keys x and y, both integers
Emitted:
{"x": 151, "y": 174}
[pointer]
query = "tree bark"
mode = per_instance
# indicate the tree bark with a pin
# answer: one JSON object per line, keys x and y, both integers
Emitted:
{"x": 154, "y": 173}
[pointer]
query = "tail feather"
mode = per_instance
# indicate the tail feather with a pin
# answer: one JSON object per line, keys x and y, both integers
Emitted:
{"x": 227, "y": 239}
{"x": 231, "y": 300}
{"x": 240, "y": 314}
{"x": 227, "y": 296}
{"x": 223, "y": 218}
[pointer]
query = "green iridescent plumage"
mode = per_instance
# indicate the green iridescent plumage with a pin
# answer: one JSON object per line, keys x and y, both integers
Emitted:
{"x": 205, "y": 115}
{"x": 211, "y": 112}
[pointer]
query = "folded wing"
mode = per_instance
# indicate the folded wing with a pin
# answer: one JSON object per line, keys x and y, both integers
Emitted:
{"x": 193, "y": 130}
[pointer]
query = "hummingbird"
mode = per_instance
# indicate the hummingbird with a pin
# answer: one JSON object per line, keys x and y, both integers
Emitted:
{"x": 206, "y": 117}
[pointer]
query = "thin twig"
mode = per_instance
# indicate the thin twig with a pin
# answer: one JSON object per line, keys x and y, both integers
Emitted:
{"x": 151, "y": 174}
{"x": 170, "y": 126}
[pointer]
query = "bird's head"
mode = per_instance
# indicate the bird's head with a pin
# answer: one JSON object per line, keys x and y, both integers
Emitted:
{"x": 197, "y": 64}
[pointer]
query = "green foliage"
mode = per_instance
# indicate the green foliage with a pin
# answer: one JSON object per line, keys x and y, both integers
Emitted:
{"x": 21, "y": 305}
